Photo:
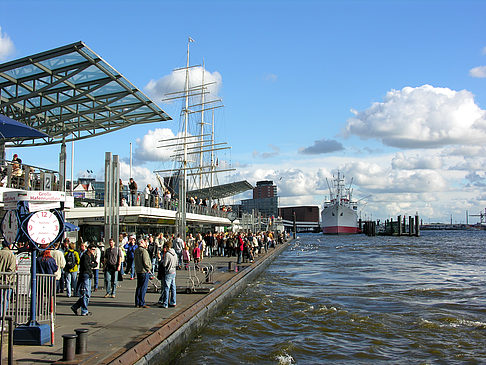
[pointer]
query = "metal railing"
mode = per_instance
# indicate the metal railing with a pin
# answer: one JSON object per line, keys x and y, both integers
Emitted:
{"x": 19, "y": 298}
{"x": 161, "y": 203}
{"x": 27, "y": 177}
{"x": 5, "y": 291}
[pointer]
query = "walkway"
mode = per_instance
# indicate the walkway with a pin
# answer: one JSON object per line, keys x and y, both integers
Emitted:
{"x": 116, "y": 325}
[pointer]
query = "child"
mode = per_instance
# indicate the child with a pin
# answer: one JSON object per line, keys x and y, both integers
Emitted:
{"x": 186, "y": 257}
{"x": 196, "y": 254}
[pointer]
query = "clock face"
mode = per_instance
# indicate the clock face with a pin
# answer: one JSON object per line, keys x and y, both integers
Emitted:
{"x": 10, "y": 226}
{"x": 232, "y": 216}
{"x": 43, "y": 227}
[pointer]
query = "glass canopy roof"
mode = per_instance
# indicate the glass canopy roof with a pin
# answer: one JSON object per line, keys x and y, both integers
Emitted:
{"x": 71, "y": 93}
{"x": 221, "y": 191}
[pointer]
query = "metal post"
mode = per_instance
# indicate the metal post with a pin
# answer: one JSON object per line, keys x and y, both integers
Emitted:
{"x": 295, "y": 224}
{"x": 2, "y": 151}
{"x": 417, "y": 226}
{"x": 81, "y": 340}
{"x": 116, "y": 197}
{"x": 33, "y": 288}
{"x": 107, "y": 202}
{"x": 72, "y": 167}
{"x": 68, "y": 347}
{"x": 62, "y": 166}
{"x": 10, "y": 340}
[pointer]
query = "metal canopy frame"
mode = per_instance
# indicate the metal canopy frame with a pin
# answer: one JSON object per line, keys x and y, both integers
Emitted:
{"x": 221, "y": 191}
{"x": 71, "y": 93}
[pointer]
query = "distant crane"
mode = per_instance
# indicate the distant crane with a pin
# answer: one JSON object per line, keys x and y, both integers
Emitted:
{"x": 481, "y": 215}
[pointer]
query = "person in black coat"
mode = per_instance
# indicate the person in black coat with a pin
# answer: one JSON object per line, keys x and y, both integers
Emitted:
{"x": 86, "y": 266}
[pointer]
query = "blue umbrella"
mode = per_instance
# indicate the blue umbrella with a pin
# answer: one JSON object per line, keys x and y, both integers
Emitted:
{"x": 10, "y": 128}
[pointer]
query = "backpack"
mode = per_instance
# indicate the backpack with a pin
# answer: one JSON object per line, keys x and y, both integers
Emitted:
{"x": 151, "y": 250}
{"x": 70, "y": 261}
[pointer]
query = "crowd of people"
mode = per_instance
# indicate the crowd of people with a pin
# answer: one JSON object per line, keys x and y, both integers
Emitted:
{"x": 155, "y": 198}
{"x": 77, "y": 269}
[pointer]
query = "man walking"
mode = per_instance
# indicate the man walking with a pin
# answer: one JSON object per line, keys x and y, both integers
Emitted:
{"x": 86, "y": 266}
{"x": 112, "y": 264}
{"x": 71, "y": 269}
{"x": 143, "y": 267}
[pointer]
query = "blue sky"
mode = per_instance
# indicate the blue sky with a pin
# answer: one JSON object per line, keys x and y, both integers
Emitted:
{"x": 391, "y": 92}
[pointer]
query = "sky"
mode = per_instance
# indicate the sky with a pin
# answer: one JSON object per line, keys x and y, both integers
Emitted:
{"x": 391, "y": 93}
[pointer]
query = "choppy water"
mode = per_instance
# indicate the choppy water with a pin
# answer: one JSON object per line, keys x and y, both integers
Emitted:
{"x": 358, "y": 299}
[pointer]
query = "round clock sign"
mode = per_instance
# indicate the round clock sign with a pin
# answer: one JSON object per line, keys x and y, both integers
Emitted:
{"x": 43, "y": 227}
{"x": 10, "y": 226}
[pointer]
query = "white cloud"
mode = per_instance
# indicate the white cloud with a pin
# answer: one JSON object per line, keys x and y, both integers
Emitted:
{"x": 424, "y": 116}
{"x": 467, "y": 151}
{"x": 141, "y": 175}
{"x": 6, "y": 45}
{"x": 372, "y": 178}
{"x": 469, "y": 164}
{"x": 479, "y": 72}
{"x": 429, "y": 183}
{"x": 175, "y": 82}
{"x": 148, "y": 146}
{"x": 413, "y": 162}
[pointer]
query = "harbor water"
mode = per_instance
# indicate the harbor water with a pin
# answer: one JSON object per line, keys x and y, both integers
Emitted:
{"x": 358, "y": 299}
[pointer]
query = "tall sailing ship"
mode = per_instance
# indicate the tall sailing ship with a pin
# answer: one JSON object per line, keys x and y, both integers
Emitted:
{"x": 195, "y": 163}
{"x": 340, "y": 213}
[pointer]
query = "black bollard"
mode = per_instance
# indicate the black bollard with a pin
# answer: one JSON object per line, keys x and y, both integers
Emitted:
{"x": 230, "y": 265}
{"x": 81, "y": 340}
{"x": 68, "y": 347}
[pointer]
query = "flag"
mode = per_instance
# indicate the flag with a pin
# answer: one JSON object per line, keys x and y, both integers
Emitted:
{"x": 191, "y": 40}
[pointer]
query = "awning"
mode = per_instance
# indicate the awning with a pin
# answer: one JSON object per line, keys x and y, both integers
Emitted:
{"x": 69, "y": 227}
{"x": 71, "y": 93}
{"x": 221, "y": 191}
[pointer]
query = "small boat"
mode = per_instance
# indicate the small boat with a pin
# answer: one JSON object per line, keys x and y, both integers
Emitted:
{"x": 340, "y": 213}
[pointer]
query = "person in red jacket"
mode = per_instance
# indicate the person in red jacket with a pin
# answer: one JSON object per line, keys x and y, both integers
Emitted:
{"x": 240, "y": 247}
{"x": 196, "y": 255}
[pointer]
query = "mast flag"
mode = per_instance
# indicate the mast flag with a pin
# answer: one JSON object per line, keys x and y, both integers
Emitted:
{"x": 191, "y": 40}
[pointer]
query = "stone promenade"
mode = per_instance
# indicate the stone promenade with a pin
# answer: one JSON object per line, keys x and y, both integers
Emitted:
{"x": 119, "y": 333}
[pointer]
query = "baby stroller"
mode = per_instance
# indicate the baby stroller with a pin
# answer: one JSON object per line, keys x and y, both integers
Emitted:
{"x": 154, "y": 285}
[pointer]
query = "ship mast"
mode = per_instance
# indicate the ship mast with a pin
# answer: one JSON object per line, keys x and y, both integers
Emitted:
{"x": 201, "y": 138}
{"x": 182, "y": 206}
{"x": 192, "y": 144}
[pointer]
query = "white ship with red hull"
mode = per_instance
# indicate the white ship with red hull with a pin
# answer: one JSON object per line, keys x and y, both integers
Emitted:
{"x": 340, "y": 214}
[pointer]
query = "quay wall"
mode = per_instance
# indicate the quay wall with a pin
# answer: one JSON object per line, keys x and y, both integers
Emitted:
{"x": 165, "y": 344}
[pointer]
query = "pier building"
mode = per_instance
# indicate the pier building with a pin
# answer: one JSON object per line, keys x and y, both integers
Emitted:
{"x": 265, "y": 199}
{"x": 305, "y": 218}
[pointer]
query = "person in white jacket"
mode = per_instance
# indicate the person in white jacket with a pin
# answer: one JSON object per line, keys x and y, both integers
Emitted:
{"x": 96, "y": 269}
{"x": 58, "y": 256}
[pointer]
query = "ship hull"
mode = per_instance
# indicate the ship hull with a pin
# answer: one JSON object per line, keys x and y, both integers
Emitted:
{"x": 339, "y": 219}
